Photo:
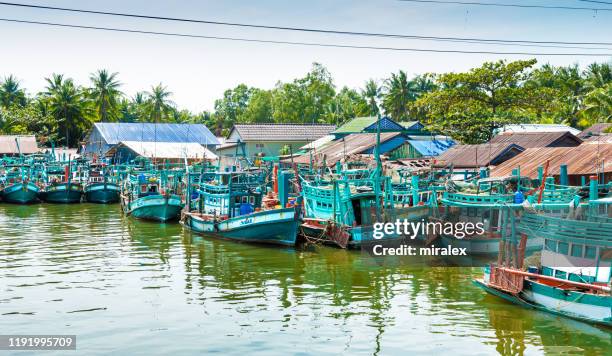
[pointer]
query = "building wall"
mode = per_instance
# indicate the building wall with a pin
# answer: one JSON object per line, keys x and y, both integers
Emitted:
{"x": 252, "y": 148}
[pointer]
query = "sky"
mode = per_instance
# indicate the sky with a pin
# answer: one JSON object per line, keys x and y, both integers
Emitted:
{"x": 198, "y": 71}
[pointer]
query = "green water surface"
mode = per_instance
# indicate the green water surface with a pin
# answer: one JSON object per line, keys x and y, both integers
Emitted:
{"x": 128, "y": 287}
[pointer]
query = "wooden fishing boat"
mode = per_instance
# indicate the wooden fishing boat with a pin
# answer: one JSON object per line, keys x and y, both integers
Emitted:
{"x": 483, "y": 205}
{"x": 17, "y": 185}
{"x": 152, "y": 196}
{"x": 234, "y": 206}
{"x": 59, "y": 186}
{"x": 101, "y": 187}
{"x": 575, "y": 273}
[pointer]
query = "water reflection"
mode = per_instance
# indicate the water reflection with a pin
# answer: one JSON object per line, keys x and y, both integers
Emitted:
{"x": 88, "y": 270}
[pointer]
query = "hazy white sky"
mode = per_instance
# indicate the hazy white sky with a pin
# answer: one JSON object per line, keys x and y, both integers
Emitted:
{"x": 197, "y": 71}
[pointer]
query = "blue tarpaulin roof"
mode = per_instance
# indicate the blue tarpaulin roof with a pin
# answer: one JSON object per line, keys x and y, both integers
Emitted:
{"x": 113, "y": 133}
{"x": 431, "y": 147}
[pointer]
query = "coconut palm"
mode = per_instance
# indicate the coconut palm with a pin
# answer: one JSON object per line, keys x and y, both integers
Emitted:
{"x": 69, "y": 106}
{"x": 598, "y": 105}
{"x": 598, "y": 75}
{"x": 399, "y": 91}
{"x": 105, "y": 94}
{"x": 158, "y": 105}
{"x": 371, "y": 93}
{"x": 10, "y": 93}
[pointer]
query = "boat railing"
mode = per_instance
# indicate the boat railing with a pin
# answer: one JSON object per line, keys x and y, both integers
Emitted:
{"x": 462, "y": 199}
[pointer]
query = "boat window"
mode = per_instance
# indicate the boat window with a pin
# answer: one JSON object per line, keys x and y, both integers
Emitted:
{"x": 590, "y": 252}
{"x": 551, "y": 245}
{"x": 143, "y": 188}
{"x": 152, "y": 189}
{"x": 577, "y": 250}
{"x": 560, "y": 274}
{"x": 563, "y": 248}
{"x": 252, "y": 200}
{"x": 237, "y": 199}
{"x": 245, "y": 199}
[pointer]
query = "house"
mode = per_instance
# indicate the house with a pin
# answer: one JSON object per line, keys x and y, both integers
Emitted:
{"x": 370, "y": 124}
{"x": 582, "y": 161}
{"x": 473, "y": 157}
{"x": 13, "y": 145}
{"x": 252, "y": 140}
{"x": 538, "y": 139}
{"x": 105, "y": 135}
{"x": 171, "y": 152}
{"x": 596, "y": 130}
{"x": 537, "y": 128}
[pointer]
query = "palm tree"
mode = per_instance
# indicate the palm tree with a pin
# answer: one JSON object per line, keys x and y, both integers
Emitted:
{"x": 399, "y": 91}
{"x": 598, "y": 105}
{"x": 159, "y": 107}
{"x": 598, "y": 75}
{"x": 69, "y": 106}
{"x": 371, "y": 93}
{"x": 10, "y": 93}
{"x": 105, "y": 94}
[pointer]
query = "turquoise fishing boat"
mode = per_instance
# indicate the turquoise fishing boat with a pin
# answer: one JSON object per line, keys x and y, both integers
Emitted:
{"x": 573, "y": 279}
{"x": 483, "y": 203}
{"x": 102, "y": 187}
{"x": 152, "y": 196}
{"x": 17, "y": 185}
{"x": 59, "y": 186}
{"x": 234, "y": 206}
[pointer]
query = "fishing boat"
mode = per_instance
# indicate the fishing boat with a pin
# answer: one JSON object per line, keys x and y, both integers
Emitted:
{"x": 152, "y": 195}
{"x": 235, "y": 206}
{"x": 574, "y": 275}
{"x": 59, "y": 186}
{"x": 18, "y": 184}
{"x": 102, "y": 186}
{"x": 483, "y": 203}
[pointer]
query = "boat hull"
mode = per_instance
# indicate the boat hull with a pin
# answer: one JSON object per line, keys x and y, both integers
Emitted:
{"x": 586, "y": 307}
{"x": 486, "y": 246}
{"x": 155, "y": 207}
{"x": 64, "y": 193}
{"x": 21, "y": 193}
{"x": 102, "y": 193}
{"x": 278, "y": 227}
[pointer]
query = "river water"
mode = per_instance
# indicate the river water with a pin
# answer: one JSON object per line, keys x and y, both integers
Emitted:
{"x": 125, "y": 286}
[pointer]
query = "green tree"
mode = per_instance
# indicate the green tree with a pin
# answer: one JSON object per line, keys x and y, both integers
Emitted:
{"x": 158, "y": 107}
{"x": 105, "y": 94}
{"x": 598, "y": 75}
{"x": 598, "y": 106}
{"x": 10, "y": 93}
{"x": 470, "y": 105}
{"x": 70, "y": 108}
{"x": 399, "y": 91}
{"x": 371, "y": 93}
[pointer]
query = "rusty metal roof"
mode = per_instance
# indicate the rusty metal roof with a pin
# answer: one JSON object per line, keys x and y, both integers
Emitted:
{"x": 349, "y": 145}
{"x": 474, "y": 156}
{"x": 595, "y": 130}
{"x": 280, "y": 132}
{"x": 582, "y": 160}
{"x": 27, "y": 144}
{"x": 538, "y": 139}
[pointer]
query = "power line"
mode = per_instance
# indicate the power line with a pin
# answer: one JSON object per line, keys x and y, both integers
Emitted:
{"x": 597, "y": 2}
{"x": 302, "y": 29}
{"x": 312, "y": 44}
{"x": 476, "y": 3}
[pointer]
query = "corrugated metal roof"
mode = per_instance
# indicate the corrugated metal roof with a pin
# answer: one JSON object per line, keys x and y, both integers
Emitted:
{"x": 582, "y": 160}
{"x": 430, "y": 147}
{"x": 349, "y": 145}
{"x": 538, "y": 139}
{"x": 281, "y": 132}
{"x": 318, "y": 143}
{"x": 537, "y": 128}
{"x": 169, "y": 150}
{"x": 599, "y": 139}
{"x": 356, "y": 125}
{"x": 473, "y": 156}
{"x": 115, "y": 132}
{"x": 594, "y": 130}
{"x": 411, "y": 125}
{"x": 27, "y": 144}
